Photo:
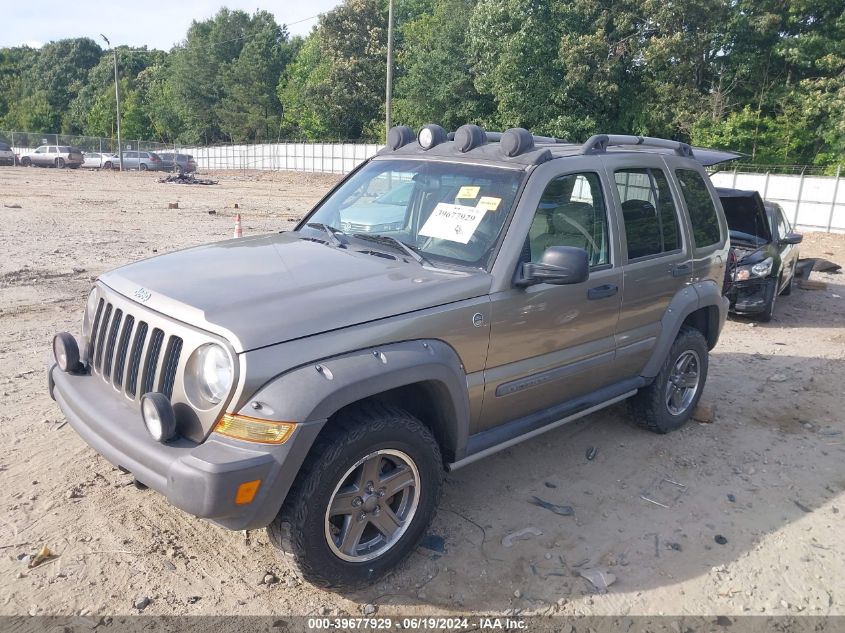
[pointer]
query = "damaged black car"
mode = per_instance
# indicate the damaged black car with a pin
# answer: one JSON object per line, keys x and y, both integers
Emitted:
{"x": 765, "y": 250}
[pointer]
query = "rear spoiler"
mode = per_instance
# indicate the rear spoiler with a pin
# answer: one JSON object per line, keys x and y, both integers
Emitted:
{"x": 710, "y": 157}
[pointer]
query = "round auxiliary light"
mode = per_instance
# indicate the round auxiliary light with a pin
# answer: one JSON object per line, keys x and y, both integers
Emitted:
{"x": 516, "y": 141}
{"x": 158, "y": 416}
{"x": 431, "y": 135}
{"x": 66, "y": 352}
{"x": 469, "y": 137}
{"x": 399, "y": 136}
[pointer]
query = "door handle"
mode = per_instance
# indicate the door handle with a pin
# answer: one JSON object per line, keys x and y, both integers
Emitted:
{"x": 681, "y": 270}
{"x": 602, "y": 292}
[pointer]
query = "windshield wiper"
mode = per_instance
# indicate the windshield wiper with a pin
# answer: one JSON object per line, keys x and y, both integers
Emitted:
{"x": 397, "y": 244}
{"x": 331, "y": 231}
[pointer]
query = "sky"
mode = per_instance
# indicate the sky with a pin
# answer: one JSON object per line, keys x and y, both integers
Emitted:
{"x": 136, "y": 23}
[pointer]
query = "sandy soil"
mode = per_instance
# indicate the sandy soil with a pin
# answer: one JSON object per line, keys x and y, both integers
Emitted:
{"x": 767, "y": 474}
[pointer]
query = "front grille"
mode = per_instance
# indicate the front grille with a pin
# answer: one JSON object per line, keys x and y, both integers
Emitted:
{"x": 122, "y": 346}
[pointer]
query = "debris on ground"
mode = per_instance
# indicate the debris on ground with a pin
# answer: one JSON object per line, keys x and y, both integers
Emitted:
{"x": 172, "y": 205}
{"x": 704, "y": 413}
{"x": 270, "y": 579}
{"x": 12, "y": 206}
{"x": 369, "y": 609}
{"x": 522, "y": 535}
{"x": 591, "y": 453}
{"x": 778, "y": 378}
{"x": 434, "y": 542}
{"x": 549, "y": 484}
{"x": 731, "y": 498}
{"x": 141, "y": 603}
{"x": 599, "y": 578}
{"x": 186, "y": 179}
{"x": 806, "y": 284}
{"x": 564, "y": 511}
{"x": 801, "y": 506}
{"x": 721, "y": 540}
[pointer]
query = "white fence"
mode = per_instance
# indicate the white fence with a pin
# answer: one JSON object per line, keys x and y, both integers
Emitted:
{"x": 330, "y": 158}
{"x": 811, "y": 202}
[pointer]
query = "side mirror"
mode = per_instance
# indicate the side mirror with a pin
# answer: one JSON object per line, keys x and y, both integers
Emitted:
{"x": 792, "y": 238}
{"x": 559, "y": 265}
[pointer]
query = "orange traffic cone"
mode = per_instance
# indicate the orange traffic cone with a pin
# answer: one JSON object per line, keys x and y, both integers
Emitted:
{"x": 238, "y": 232}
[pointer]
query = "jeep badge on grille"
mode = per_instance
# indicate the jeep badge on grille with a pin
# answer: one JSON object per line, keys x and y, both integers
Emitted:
{"x": 143, "y": 295}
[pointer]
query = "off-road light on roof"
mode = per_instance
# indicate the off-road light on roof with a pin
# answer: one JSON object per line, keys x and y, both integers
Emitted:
{"x": 399, "y": 136}
{"x": 431, "y": 135}
{"x": 516, "y": 141}
{"x": 469, "y": 137}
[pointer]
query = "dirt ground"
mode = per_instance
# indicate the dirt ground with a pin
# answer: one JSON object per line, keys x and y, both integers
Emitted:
{"x": 767, "y": 474}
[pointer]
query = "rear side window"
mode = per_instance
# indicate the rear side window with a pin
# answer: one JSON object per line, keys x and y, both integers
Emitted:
{"x": 702, "y": 211}
{"x": 648, "y": 210}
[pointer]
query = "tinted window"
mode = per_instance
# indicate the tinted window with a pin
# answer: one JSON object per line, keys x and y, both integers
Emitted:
{"x": 571, "y": 213}
{"x": 41, "y": 150}
{"x": 702, "y": 211}
{"x": 144, "y": 155}
{"x": 52, "y": 149}
{"x": 5, "y": 147}
{"x": 648, "y": 210}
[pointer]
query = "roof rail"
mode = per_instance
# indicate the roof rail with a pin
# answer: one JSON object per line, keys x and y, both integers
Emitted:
{"x": 598, "y": 143}
{"x": 495, "y": 137}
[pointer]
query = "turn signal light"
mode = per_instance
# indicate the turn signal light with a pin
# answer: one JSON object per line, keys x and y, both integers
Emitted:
{"x": 246, "y": 492}
{"x": 242, "y": 427}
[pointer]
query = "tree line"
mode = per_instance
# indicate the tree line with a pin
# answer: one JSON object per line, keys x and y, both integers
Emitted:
{"x": 765, "y": 77}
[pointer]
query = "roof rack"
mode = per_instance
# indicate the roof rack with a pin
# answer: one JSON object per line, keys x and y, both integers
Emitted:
{"x": 598, "y": 143}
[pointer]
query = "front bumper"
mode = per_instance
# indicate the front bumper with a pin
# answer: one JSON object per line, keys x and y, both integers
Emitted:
{"x": 201, "y": 479}
{"x": 752, "y": 296}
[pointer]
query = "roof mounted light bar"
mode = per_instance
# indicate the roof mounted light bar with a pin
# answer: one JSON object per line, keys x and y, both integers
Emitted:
{"x": 598, "y": 144}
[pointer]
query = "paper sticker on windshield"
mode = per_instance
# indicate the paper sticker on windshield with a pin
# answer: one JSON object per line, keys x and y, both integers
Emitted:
{"x": 452, "y": 222}
{"x": 488, "y": 203}
{"x": 468, "y": 192}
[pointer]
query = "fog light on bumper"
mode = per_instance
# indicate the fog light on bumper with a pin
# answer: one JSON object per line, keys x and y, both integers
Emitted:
{"x": 66, "y": 352}
{"x": 158, "y": 416}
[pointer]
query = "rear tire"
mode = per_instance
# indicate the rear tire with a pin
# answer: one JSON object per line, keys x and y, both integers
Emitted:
{"x": 370, "y": 530}
{"x": 668, "y": 402}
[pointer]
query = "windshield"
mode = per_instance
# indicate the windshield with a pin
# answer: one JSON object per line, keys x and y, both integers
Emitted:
{"x": 448, "y": 212}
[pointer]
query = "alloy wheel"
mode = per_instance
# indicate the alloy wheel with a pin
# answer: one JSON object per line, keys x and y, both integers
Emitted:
{"x": 683, "y": 382}
{"x": 372, "y": 506}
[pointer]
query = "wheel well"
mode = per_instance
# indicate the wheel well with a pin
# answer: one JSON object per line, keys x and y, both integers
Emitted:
{"x": 706, "y": 321}
{"x": 429, "y": 402}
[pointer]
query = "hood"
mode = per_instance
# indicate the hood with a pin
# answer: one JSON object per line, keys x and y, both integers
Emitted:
{"x": 746, "y": 215}
{"x": 270, "y": 289}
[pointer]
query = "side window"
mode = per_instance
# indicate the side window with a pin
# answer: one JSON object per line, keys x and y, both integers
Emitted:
{"x": 571, "y": 213}
{"x": 144, "y": 155}
{"x": 702, "y": 211}
{"x": 40, "y": 150}
{"x": 51, "y": 150}
{"x": 648, "y": 210}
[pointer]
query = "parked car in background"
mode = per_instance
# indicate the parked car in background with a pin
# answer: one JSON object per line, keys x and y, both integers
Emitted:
{"x": 97, "y": 160}
{"x": 766, "y": 251}
{"x": 183, "y": 163}
{"x": 59, "y": 156}
{"x": 7, "y": 156}
{"x": 144, "y": 161}
{"x": 383, "y": 213}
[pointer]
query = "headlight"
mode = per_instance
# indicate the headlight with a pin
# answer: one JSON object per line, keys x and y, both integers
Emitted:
{"x": 209, "y": 374}
{"x": 90, "y": 313}
{"x": 760, "y": 269}
{"x": 763, "y": 268}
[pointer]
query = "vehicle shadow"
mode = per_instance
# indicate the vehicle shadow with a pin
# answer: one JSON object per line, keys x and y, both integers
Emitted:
{"x": 647, "y": 508}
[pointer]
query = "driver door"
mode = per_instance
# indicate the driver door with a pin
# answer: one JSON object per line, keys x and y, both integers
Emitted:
{"x": 552, "y": 343}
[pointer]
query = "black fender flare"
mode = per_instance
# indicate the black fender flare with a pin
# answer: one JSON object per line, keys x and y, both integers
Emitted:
{"x": 686, "y": 301}
{"x": 312, "y": 393}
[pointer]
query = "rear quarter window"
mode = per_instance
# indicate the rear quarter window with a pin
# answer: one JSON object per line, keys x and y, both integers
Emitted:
{"x": 702, "y": 211}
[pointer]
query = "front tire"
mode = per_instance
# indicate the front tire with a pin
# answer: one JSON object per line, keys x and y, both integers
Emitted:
{"x": 668, "y": 402}
{"x": 143, "y": 167}
{"x": 26, "y": 162}
{"x": 60, "y": 163}
{"x": 106, "y": 165}
{"x": 363, "y": 499}
{"x": 788, "y": 290}
{"x": 768, "y": 312}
